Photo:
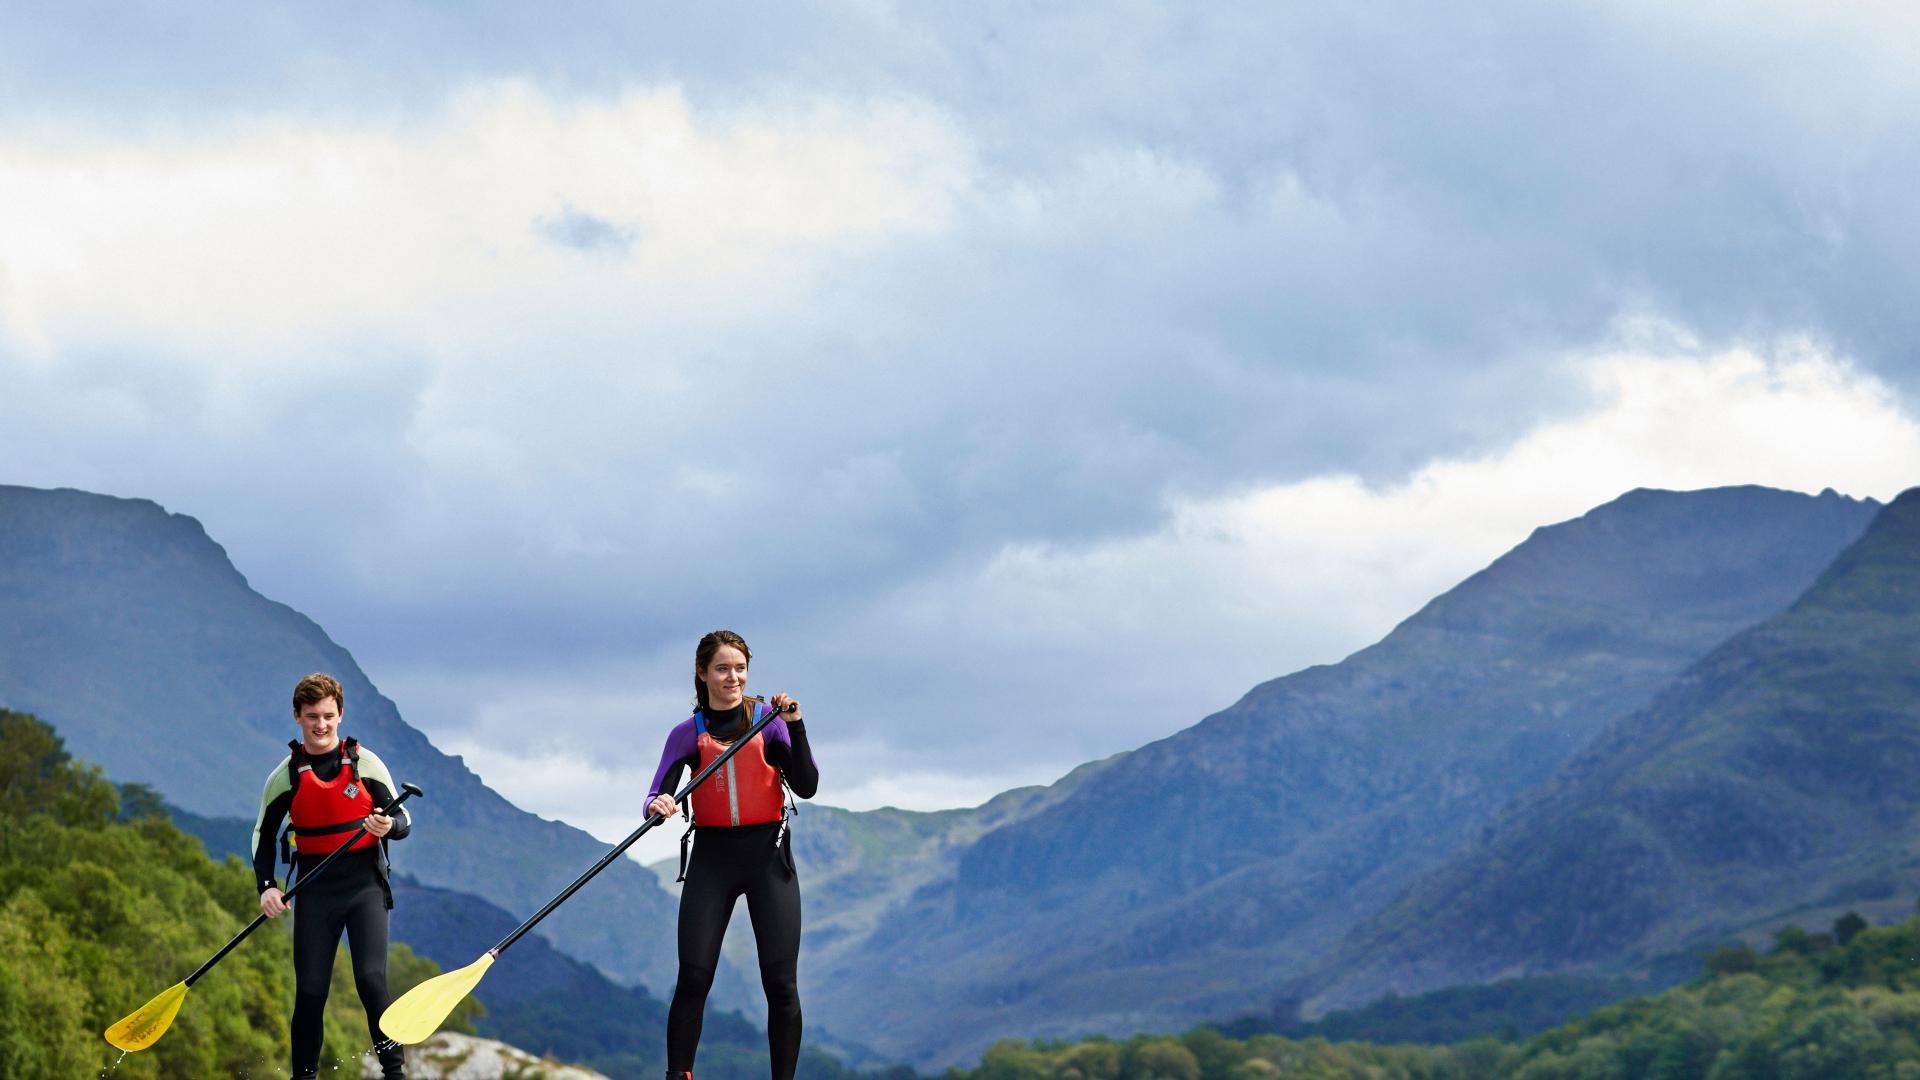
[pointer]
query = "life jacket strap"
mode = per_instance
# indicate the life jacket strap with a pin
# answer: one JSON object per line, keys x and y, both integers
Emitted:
{"x": 329, "y": 830}
{"x": 686, "y": 844}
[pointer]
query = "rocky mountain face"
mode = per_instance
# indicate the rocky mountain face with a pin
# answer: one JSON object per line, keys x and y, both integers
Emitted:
{"x": 1195, "y": 877}
{"x": 129, "y": 630}
{"x": 1773, "y": 781}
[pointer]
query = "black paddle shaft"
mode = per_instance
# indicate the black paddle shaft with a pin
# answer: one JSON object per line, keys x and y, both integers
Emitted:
{"x": 652, "y": 820}
{"x": 406, "y": 792}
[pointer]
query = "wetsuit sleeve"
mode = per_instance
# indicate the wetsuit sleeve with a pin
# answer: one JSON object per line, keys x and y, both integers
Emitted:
{"x": 681, "y": 752}
{"x": 381, "y": 786}
{"x": 276, "y": 798}
{"x": 788, "y": 751}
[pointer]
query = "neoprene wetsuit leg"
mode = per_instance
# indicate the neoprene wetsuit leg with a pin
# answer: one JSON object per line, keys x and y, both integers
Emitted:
{"x": 729, "y": 863}
{"x": 357, "y": 904}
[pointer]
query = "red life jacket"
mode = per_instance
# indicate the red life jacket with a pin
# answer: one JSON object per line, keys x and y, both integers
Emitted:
{"x": 326, "y": 812}
{"x": 747, "y": 790}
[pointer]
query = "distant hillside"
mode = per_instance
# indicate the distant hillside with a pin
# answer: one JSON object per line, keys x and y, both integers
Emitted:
{"x": 129, "y": 630}
{"x": 860, "y": 865}
{"x": 1194, "y": 877}
{"x": 1817, "y": 1006}
{"x": 1509, "y": 1009}
{"x": 1772, "y": 781}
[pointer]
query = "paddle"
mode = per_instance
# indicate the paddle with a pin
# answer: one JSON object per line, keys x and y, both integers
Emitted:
{"x": 143, "y": 1026}
{"x": 419, "y": 1012}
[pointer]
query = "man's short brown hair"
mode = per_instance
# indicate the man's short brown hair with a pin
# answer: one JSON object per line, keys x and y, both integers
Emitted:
{"x": 317, "y": 688}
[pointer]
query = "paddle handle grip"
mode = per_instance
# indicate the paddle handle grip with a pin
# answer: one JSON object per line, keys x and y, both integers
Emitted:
{"x": 407, "y": 791}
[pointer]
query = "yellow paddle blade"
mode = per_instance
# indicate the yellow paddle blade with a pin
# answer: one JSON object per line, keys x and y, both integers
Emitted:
{"x": 143, "y": 1026}
{"x": 419, "y": 1011}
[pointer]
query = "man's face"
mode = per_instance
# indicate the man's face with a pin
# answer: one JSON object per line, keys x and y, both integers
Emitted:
{"x": 319, "y": 725}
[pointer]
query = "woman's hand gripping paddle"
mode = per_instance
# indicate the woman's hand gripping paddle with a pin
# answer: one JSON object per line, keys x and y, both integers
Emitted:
{"x": 420, "y": 1011}
{"x": 143, "y": 1026}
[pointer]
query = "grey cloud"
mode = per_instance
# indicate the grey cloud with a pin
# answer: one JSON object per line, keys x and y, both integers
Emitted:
{"x": 585, "y": 232}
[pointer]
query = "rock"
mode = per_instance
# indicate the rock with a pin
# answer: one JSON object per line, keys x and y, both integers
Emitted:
{"x": 451, "y": 1056}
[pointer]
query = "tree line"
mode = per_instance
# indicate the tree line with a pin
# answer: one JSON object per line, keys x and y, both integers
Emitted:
{"x": 1838, "y": 1005}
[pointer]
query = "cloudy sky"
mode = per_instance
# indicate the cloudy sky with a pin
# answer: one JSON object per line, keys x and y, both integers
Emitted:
{"x": 1024, "y": 381}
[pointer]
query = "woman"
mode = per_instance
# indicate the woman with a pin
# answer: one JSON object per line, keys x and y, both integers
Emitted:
{"x": 741, "y": 848}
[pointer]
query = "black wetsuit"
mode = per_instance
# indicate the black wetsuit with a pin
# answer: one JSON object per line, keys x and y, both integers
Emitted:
{"x": 353, "y": 895}
{"x": 730, "y": 862}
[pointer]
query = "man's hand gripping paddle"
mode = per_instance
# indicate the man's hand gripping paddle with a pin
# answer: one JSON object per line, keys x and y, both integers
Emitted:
{"x": 419, "y": 1012}
{"x": 143, "y": 1026}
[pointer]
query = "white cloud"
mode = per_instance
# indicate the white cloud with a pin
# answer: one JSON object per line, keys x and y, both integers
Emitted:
{"x": 256, "y": 238}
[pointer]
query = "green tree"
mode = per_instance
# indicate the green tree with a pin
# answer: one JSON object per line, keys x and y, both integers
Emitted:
{"x": 1216, "y": 1053}
{"x": 43, "y": 1007}
{"x": 1095, "y": 1060}
{"x": 1011, "y": 1059}
{"x": 1161, "y": 1059}
{"x": 1846, "y": 926}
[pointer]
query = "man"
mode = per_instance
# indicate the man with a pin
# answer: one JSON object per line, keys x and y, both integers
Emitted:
{"x": 328, "y": 787}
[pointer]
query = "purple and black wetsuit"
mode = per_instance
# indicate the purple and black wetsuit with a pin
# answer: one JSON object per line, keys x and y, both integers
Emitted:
{"x": 754, "y": 861}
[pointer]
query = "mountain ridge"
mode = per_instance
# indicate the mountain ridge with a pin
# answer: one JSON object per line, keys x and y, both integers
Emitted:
{"x": 1763, "y": 783}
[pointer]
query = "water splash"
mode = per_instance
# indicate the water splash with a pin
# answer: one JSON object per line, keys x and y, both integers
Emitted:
{"x": 350, "y": 1065}
{"x": 108, "y": 1071}
{"x": 353, "y": 1064}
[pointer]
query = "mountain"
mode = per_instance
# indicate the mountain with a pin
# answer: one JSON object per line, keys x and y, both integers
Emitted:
{"x": 1192, "y": 878}
{"x": 129, "y": 630}
{"x": 1773, "y": 780}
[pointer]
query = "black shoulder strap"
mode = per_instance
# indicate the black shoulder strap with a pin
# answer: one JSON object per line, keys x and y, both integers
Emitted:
{"x": 293, "y": 785}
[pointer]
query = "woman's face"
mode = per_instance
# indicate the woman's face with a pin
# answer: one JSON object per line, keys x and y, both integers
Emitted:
{"x": 725, "y": 677}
